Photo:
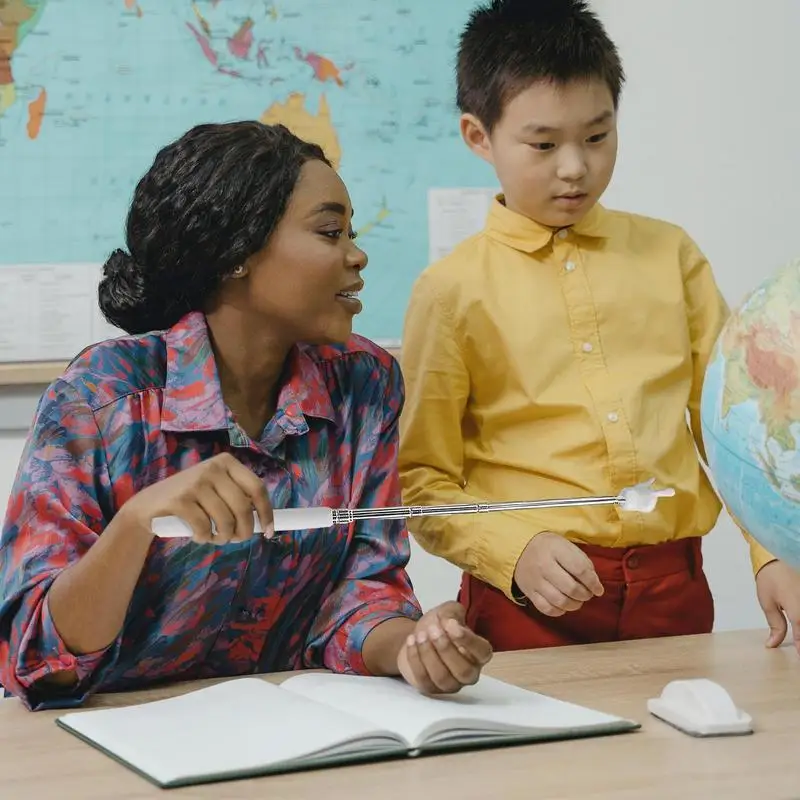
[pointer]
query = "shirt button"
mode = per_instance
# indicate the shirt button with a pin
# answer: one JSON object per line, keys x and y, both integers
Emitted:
{"x": 633, "y": 561}
{"x": 587, "y": 347}
{"x": 613, "y": 417}
{"x": 245, "y": 615}
{"x": 569, "y": 266}
{"x": 562, "y": 234}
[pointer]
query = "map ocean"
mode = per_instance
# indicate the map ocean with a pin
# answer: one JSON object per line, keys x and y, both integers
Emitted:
{"x": 90, "y": 91}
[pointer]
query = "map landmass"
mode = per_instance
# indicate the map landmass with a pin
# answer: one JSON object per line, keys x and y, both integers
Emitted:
{"x": 17, "y": 19}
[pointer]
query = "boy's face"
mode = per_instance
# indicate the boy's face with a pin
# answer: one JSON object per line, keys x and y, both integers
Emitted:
{"x": 553, "y": 149}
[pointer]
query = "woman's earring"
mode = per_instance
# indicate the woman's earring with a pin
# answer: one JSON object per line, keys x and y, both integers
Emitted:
{"x": 238, "y": 271}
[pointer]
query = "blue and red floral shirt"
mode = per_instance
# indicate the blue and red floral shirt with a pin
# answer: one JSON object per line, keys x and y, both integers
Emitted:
{"x": 132, "y": 411}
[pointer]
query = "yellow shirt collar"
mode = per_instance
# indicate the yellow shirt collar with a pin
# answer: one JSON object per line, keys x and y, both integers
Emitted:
{"x": 528, "y": 236}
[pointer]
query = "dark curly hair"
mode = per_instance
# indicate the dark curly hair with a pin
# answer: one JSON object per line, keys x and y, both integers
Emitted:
{"x": 209, "y": 201}
{"x": 507, "y": 45}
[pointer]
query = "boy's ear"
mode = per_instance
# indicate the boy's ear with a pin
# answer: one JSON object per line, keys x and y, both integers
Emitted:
{"x": 475, "y": 136}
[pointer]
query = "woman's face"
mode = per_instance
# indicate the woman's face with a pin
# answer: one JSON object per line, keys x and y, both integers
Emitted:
{"x": 305, "y": 281}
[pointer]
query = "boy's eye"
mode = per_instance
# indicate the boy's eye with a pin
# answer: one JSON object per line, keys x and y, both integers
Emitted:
{"x": 597, "y": 138}
{"x": 542, "y": 146}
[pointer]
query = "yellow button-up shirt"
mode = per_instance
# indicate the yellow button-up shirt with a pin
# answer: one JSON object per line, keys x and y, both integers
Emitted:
{"x": 544, "y": 364}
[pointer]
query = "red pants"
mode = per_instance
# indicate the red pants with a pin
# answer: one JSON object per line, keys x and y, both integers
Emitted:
{"x": 654, "y": 590}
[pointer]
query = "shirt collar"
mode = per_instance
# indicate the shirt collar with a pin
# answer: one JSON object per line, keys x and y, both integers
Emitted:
{"x": 193, "y": 396}
{"x": 528, "y": 236}
{"x": 304, "y": 392}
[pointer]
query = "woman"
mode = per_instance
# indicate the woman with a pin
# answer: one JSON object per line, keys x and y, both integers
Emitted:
{"x": 239, "y": 388}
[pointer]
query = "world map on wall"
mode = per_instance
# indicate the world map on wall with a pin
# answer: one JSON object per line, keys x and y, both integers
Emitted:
{"x": 90, "y": 91}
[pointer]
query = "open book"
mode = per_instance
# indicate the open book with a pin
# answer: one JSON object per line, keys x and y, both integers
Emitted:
{"x": 244, "y": 727}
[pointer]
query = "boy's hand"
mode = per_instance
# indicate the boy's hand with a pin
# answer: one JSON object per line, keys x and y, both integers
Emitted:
{"x": 778, "y": 590}
{"x": 443, "y": 654}
{"x": 556, "y": 575}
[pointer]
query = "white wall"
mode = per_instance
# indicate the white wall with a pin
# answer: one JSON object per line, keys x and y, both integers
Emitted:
{"x": 710, "y": 122}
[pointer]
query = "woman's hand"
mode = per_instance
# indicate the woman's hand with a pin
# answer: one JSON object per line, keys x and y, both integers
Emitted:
{"x": 220, "y": 491}
{"x": 442, "y": 654}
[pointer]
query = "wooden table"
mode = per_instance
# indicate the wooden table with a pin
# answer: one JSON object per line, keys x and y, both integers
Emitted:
{"x": 37, "y": 759}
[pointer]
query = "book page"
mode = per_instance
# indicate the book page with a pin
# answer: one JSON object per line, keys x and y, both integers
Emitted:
{"x": 238, "y": 726}
{"x": 489, "y": 706}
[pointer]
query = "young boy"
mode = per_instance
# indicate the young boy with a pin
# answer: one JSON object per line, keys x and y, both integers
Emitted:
{"x": 556, "y": 354}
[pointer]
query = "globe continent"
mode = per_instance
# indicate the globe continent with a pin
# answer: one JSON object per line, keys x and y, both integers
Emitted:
{"x": 750, "y": 413}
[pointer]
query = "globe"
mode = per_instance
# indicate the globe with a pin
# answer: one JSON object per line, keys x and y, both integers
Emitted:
{"x": 750, "y": 414}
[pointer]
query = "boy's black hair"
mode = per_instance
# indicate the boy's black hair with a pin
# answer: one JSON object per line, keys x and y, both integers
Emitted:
{"x": 509, "y": 44}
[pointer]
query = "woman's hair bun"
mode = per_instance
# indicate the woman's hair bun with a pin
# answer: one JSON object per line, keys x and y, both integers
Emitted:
{"x": 127, "y": 301}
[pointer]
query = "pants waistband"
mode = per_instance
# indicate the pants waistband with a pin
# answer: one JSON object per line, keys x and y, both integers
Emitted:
{"x": 646, "y": 562}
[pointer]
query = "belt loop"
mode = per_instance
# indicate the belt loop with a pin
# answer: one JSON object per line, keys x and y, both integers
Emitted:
{"x": 695, "y": 556}
{"x": 464, "y": 596}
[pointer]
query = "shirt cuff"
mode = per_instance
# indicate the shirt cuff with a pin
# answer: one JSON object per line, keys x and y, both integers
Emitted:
{"x": 344, "y": 652}
{"x": 53, "y": 657}
{"x": 498, "y": 553}
{"x": 759, "y": 556}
